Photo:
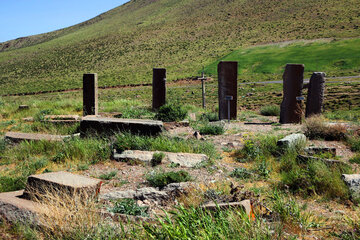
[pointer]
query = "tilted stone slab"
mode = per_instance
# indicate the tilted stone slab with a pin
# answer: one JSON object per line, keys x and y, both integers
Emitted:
{"x": 14, "y": 208}
{"x": 61, "y": 183}
{"x": 292, "y": 140}
{"x": 183, "y": 159}
{"x": 18, "y": 137}
{"x": 353, "y": 182}
{"x": 101, "y": 125}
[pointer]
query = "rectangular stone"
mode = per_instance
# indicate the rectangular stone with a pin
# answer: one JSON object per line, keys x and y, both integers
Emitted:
{"x": 62, "y": 183}
{"x": 100, "y": 125}
{"x": 18, "y": 137}
{"x": 227, "y": 77}
{"x": 159, "y": 87}
{"x": 90, "y": 94}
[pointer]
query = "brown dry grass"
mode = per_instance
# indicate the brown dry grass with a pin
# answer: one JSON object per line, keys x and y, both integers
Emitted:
{"x": 316, "y": 128}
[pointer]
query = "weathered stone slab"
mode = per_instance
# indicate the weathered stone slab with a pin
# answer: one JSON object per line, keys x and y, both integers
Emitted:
{"x": 315, "y": 98}
{"x": 353, "y": 182}
{"x": 90, "y": 94}
{"x": 14, "y": 208}
{"x": 306, "y": 159}
{"x": 245, "y": 205}
{"x": 227, "y": 77}
{"x": 18, "y": 137}
{"x": 61, "y": 118}
{"x": 291, "y": 106}
{"x": 292, "y": 140}
{"x": 100, "y": 125}
{"x": 61, "y": 183}
{"x": 183, "y": 159}
{"x": 159, "y": 87}
{"x": 319, "y": 150}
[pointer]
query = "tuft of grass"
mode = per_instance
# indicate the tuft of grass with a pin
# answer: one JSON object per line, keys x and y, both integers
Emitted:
{"x": 314, "y": 177}
{"x": 241, "y": 173}
{"x": 316, "y": 128}
{"x": 157, "y": 158}
{"x": 209, "y": 117}
{"x": 271, "y": 110}
{"x": 129, "y": 207}
{"x": 108, "y": 176}
{"x": 212, "y": 130}
{"x": 355, "y": 159}
{"x": 161, "y": 179}
{"x": 171, "y": 113}
{"x": 354, "y": 143}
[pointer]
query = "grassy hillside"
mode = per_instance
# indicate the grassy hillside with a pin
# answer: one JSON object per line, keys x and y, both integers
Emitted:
{"x": 124, "y": 44}
{"x": 336, "y": 58}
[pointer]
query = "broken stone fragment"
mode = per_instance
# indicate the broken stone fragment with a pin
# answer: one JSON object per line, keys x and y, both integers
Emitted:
{"x": 183, "y": 159}
{"x": 320, "y": 150}
{"x": 353, "y": 183}
{"x": 18, "y": 137}
{"x": 293, "y": 140}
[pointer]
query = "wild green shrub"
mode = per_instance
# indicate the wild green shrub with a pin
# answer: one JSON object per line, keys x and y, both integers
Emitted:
{"x": 212, "y": 130}
{"x": 129, "y": 207}
{"x": 355, "y": 159}
{"x": 288, "y": 211}
{"x": 195, "y": 223}
{"x": 314, "y": 177}
{"x": 262, "y": 168}
{"x": 108, "y": 176}
{"x": 2, "y": 145}
{"x": 271, "y": 110}
{"x": 209, "y": 117}
{"x": 241, "y": 173}
{"x": 161, "y": 179}
{"x": 171, "y": 113}
{"x": 157, "y": 158}
{"x": 354, "y": 143}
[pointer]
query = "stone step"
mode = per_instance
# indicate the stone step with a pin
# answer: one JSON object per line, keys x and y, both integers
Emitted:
{"x": 183, "y": 159}
{"x": 18, "y": 137}
{"x": 101, "y": 125}
{"x": 61, "y": 183}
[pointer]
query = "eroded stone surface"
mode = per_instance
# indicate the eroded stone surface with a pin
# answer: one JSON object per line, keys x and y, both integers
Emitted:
{"x": 292, "y": 140}
{"x": 61, "y": 183}
{"x": 18, "y": 137}
{"x": 353, "y": 182}
{"x": 101, "y": 125}
{"x": 183, "y": 159}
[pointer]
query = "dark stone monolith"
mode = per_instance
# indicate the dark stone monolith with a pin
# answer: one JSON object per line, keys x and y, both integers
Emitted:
{"x": 159, "y": 87}
{"x": 227, "y": 77}
{"x": 315, "y": 97}
{"x": 90, "y": 94}
{"x": 291, "y": 106}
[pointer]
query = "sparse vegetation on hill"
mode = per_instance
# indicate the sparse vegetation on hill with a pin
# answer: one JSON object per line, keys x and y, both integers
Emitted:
{"x": 123, "y": 45}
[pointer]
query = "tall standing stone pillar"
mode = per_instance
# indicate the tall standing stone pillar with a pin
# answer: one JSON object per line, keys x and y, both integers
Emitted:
{"x": 159, "y": 87}
{"x": 227, "y": 77}
{"x": 291, "y": 106}
{"x": 315, "y": 95}
{"x": 90, "y": 94}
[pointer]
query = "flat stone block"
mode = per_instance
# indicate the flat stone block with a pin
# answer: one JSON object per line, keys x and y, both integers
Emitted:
{"x": 183, "y": 159}
{"x": 100, "y": 125}
{"x": 14, "y": 208}
{"x": 18, "y": 137}
{"x": 292, "y": 140}
{"x": 61, "y": 182}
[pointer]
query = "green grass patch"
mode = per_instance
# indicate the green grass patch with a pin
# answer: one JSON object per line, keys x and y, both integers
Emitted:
{"x": 129, "y": 207}
{"x": 108, "y": 176}
{"x": 161, "y": 179}
{"x": 272, "y": 110}
{"x": 212, "y": 130}
{"x": 173, "y": 112}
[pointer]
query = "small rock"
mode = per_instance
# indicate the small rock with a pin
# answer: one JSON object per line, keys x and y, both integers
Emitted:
{"x": 353, "y": 182}
{"x": 197, "y": 135}
{"x": 292, "y": 140}
{"x": 192, "y": 116}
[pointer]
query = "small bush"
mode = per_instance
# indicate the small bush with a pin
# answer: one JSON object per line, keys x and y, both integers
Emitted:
{"x": 129, "y": 207}
{"x": 171, "y": 113}
{"x": 108, "y": 176}
{"x": 354, "y": 143}
{"x": 355, "y": 159}
{"x": 271, "y": 110}
{"x": 210, "y": 117}
{"x": 157, "y": 159}
{"x": 161, "y": 179}
{"x": 316, "y": 128}
{"x": 2, "y": 145}
{"x": 212, "y": 130}
{"x": 241, "y": 173}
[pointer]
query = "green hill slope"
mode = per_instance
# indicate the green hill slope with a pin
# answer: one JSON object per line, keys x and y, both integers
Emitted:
{"x": 336, "y": 58}
{"x": 124, "y": 44}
